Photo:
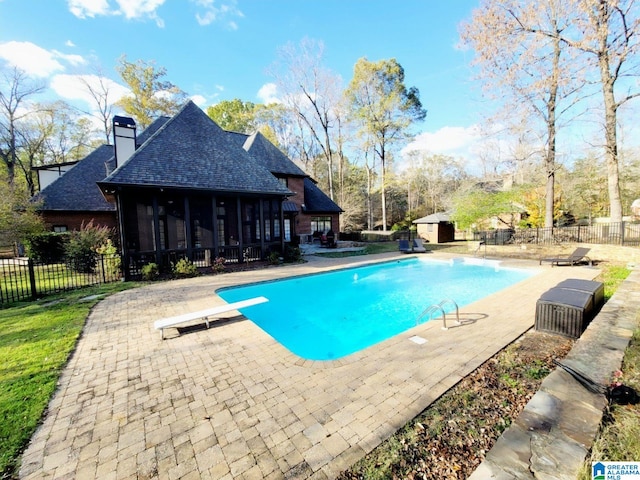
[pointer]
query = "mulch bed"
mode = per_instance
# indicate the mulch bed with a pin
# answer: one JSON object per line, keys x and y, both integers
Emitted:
{"x": 451, "y": 437}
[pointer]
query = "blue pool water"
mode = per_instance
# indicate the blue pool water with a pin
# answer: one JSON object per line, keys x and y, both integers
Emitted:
{"x": 330, "y": 315}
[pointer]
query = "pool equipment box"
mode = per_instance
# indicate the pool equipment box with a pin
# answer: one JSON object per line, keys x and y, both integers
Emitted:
{"x": 568, "y": 308}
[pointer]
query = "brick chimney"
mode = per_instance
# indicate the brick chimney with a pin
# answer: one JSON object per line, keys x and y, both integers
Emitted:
{"x": 124, "y": 138}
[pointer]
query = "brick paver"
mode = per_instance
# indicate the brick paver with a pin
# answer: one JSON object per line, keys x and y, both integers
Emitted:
{"x": 230, "y": 402}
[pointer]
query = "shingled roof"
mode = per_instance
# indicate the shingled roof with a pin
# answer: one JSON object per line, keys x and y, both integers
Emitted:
{"x": 316, "y": 201}
{"x": 76, "y": 190}
{"x": 191, "y": 151}
{"x": 271, "y": 157}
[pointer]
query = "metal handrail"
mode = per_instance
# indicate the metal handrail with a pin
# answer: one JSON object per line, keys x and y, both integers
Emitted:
{"x": 440, "y": 306}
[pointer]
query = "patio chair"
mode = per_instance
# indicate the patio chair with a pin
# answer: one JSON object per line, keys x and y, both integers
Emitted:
{"x": 418, "y": 247}
{"x": 403, "y": 246}
{"x": 579, "y": 255}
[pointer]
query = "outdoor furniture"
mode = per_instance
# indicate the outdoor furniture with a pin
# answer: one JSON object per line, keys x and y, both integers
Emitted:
{"x": 564, "y": 311}
{"x": 210, "y": 312}
{"x": 418, "y": 246}
{"x": 595, "y": 289}
{"x": 328, "y": 239}
{"x": 578, "y": 256}
{"x": 403, "y": 246}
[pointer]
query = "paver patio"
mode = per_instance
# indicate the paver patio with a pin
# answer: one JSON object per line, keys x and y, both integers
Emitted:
{"x": 230, "y": 402}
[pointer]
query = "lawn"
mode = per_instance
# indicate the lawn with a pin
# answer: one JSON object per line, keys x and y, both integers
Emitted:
{"x": 36, "y": 339}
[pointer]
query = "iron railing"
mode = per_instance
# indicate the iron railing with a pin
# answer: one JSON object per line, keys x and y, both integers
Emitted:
{"x": 621, "y": 233}
{"x": 25, "y": 279}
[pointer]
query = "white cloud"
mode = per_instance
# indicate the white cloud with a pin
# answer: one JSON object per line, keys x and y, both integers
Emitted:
{"x": 76, "y": 87}
{"x": 453, "y": 141}
{"x": 69, "y": 43}
{"x": 268, "y": 93}
{"x": 131, "y": 9}
{"x": 88, "y": 8}
{"x": 198, "y": 100}
{"x": 31, "y": 59}
{"x": 213, "y": 13}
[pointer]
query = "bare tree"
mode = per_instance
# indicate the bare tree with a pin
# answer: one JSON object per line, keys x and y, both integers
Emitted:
{"x": 15, "y": 91}
{"x": 524, "y": 62}
{"x": 99, "y": 89}
{"x": 608, "y": 32}
{"x": 313, "y": 93}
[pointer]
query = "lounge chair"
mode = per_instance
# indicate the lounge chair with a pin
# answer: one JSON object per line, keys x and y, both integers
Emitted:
{"x": 403, "y": 246}
{"x": 579, "y": 255}
{"x": 418, "y": 247}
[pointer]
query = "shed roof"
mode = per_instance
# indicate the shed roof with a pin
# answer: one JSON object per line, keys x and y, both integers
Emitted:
{"x": 438, "y": 217}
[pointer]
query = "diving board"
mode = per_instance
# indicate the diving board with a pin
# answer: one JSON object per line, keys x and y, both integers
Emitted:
{"x": 209, "y": 312}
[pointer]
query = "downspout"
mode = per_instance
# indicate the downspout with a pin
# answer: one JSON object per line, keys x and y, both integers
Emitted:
{"x": 262, "y": 232}
{"x": 216, "y": 246}
{"x": 187, "y": 228}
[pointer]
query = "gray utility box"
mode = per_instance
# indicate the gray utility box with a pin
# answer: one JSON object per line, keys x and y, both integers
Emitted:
{"x": 564, "y": 311}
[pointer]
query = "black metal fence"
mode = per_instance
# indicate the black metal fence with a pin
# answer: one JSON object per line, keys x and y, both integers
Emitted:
{"x": 24, "y": 279}
{"x": 622, "y": 233}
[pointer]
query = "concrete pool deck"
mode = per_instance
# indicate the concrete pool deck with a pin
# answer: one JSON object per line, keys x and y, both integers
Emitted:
{"x": 230, "y": 402}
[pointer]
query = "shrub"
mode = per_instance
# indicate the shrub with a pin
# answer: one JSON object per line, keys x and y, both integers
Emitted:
{"x": 111, "y": 260}
{"x": 292, "y": 254}
{"x": 81, "y": 249}
{"x": 274, "y": 258}
{"x": 46, "y": 247}
{"x": 150, "y": 271}
{"x": 185, "y": 268}
{"x": 218, "y": 265}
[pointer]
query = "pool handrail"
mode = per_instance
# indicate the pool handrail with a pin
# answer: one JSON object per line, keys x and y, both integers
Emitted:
{"x": 440, "y": 306}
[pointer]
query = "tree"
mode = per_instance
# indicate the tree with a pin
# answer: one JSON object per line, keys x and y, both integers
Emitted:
{"x": 234, "y": 115}
{"x": 523, "y": 61}
{"x": 474, "y": 206}
{"x": 313, "y": 93}
{"x": 98, "y": 88}
{"x": 608, "y": 32}
{"x": 150, "y": 96}
{"x": 18, "y": 216}
{"x": 15, "y": 91}
{"x": 383, "y": 109}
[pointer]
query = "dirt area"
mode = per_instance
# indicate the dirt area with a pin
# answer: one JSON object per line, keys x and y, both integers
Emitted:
{"x": 450, "y": 438}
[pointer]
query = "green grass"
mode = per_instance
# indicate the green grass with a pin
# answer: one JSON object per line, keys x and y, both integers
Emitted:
{"x": 36, "y": 339}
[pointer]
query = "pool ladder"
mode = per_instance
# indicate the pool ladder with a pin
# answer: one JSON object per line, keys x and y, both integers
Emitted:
{"x": 439, "y": 307}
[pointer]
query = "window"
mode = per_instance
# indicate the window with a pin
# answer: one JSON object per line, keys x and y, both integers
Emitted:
{"x": 283, "y": 181}
{"x": 60, "y": 228}
{"x": 287, "y": 229}
{"x": 320, "y": 224}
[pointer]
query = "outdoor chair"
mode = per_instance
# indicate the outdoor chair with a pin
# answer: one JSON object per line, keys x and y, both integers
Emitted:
{"x": 418, "y": 246}
{"x": 403, "y": 246}
{"x": 579, "y": 255}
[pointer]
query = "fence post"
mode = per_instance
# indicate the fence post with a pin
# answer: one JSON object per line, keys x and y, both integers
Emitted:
{"x": 622, "y": 233}
{"x": 104, "y": 274}
{"x": 32, "y": 279}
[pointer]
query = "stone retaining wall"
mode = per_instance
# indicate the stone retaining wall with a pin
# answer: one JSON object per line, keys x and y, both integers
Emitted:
{"x": 553, "y": 435}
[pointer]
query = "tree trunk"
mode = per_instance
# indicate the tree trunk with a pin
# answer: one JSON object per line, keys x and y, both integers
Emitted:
{"x": 611, "y": 142}
{"x": 382, "y": 192}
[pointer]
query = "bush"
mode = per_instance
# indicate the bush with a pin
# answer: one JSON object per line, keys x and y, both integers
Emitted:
{"x": 274, "y": 258}
{"x": 81, "y": 249}
{"x": 292, "y": 254}
{"x": 185, "y": 268}
{"x": 218, "y": 265}
{"x": 111, "y": 260}
{"x": 150, "y": 271}
{"x": 48, "y": 247}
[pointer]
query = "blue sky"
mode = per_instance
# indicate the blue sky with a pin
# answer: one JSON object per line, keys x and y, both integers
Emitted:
{"x": 220, "y": 49}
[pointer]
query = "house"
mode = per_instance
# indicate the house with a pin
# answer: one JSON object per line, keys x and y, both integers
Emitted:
{"x": 435, "y": 228}
{"x": 189, "y": 189}
{"x": 70, "y": 196}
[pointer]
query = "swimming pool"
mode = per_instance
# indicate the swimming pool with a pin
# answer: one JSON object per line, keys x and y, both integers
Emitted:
{"x": 329, "y": 315}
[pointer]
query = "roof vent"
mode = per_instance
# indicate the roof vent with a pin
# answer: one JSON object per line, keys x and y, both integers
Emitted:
{"x": 124, "y": 138}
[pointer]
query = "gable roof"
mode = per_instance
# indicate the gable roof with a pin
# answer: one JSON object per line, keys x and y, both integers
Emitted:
{"x": 316, "y": 201}
{"x": 191, "y": 151}
{"x": 76, "y": 190}
{"x": 271, "y": 157}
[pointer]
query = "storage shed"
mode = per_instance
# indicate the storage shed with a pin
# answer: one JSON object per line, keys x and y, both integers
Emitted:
{"x": 436, "y": 228}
